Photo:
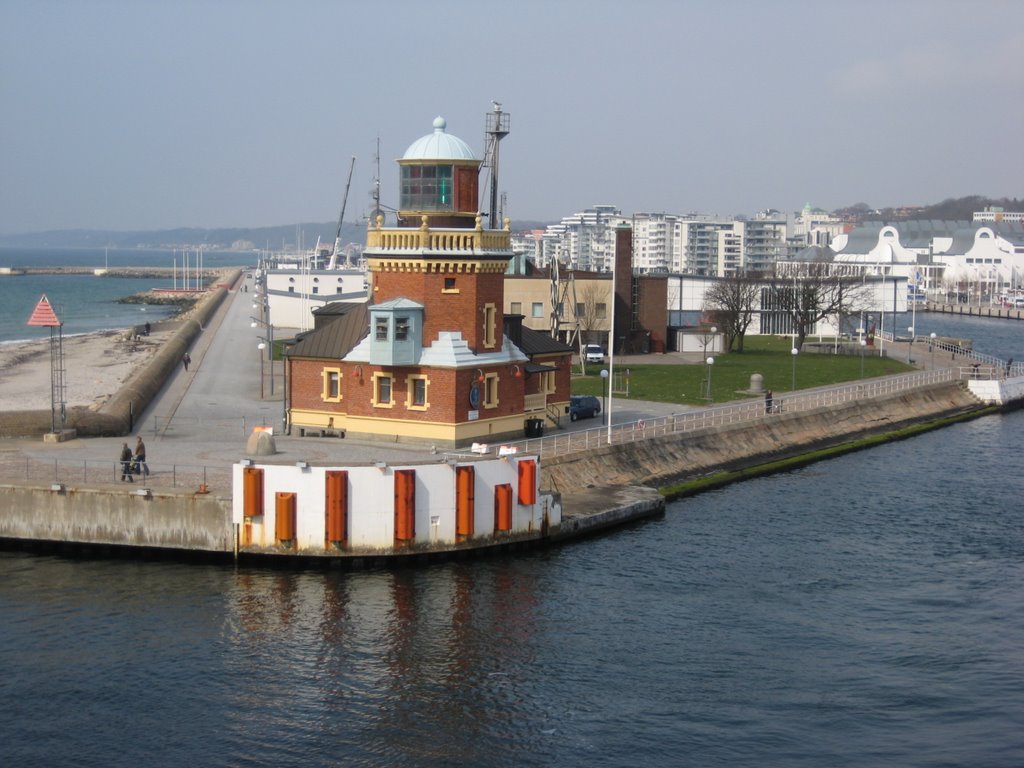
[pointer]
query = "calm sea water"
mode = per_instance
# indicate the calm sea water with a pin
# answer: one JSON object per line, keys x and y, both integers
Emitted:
{"x": 85, "y": 303}
{"x": 865, "y": 611}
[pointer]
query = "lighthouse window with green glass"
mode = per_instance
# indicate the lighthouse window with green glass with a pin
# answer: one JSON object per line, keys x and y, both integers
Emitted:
{"x": 426, "y": 188}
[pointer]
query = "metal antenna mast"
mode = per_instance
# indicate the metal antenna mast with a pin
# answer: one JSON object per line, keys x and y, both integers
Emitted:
{"x": 376, "y": 184}
{"x": 496, "y": 127}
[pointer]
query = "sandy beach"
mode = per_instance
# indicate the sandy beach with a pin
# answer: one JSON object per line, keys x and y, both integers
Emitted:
{"x": 95, "y": 366}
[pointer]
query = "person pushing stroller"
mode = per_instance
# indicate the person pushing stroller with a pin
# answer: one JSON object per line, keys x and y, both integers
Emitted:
{"x": 126, "y": 463}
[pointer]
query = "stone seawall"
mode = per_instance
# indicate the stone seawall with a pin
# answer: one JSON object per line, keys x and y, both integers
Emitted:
{"x": 189, "y": 522}
{"x": 661, "y": 461}
{"x": 599, "y": 489}
{"x": 116, "y": 415}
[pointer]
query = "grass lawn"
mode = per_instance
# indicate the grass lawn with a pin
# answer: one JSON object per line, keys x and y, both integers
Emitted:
{"x": 730, "y": 374}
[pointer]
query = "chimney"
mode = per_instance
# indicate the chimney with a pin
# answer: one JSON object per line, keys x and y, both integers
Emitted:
{"x": 514, "y": 329}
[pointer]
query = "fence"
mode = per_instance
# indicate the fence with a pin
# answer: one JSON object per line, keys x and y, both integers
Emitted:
{"x": 19, "y": 468}
{"x": 736, "y": 413}
{"x": 160, "y": 426}
{"x": 70, "y": 473}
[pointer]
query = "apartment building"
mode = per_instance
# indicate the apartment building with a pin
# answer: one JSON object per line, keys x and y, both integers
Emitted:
{"x": 664, "y": 243}
{"x": 584, "y": 241}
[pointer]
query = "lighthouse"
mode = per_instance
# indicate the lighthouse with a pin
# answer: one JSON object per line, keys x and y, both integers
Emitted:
{"x": 438, "y": 361}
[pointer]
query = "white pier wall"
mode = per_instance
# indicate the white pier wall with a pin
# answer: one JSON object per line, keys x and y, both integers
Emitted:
{"x": 371, "y": 504}
{"x": 997, "y": 391}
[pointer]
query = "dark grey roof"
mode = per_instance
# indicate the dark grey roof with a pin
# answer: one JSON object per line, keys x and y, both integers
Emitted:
{"x": 815, "y": 253}
{"x": 963, "y": 241}
{"x": 863, "y": 238}
{"x": 337, "y": 338}
{"x": 1013, "y": 231}
{"x": 334, "y": 308}
{"x": 913, "y": 233}
{"x": 536, "y": 343}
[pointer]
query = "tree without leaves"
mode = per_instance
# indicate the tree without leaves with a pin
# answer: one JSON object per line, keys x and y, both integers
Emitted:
{"x": 733, "y": 301}
{"x": 590, "y": 319}
{"x": 809, "y": 292}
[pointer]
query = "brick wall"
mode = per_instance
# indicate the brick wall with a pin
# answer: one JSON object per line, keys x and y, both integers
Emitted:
{"x": 462, "y": 311}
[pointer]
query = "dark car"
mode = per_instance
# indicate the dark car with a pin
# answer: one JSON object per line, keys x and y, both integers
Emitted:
{"x": 583, "y": 407}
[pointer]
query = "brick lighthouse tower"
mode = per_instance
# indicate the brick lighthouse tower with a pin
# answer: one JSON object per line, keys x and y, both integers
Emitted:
{"x": 441, "y": 362}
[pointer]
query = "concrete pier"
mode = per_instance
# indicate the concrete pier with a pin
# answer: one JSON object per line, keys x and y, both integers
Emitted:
{"x": 203, "y": 415}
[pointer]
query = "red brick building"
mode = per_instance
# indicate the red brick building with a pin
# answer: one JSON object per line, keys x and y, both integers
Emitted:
{"x": 431, "y": 357}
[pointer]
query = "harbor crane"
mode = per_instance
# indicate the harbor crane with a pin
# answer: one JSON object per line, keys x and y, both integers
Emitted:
{"x": 341, "y": 218}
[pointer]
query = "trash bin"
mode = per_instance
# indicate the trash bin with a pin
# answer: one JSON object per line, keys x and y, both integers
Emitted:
{"x": 534, "y": 428}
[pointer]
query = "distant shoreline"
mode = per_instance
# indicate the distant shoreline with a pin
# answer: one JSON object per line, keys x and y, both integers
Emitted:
{"x": 131, "y": 272}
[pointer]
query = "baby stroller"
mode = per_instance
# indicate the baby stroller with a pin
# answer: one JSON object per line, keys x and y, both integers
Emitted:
{"x": 138, "y": 467}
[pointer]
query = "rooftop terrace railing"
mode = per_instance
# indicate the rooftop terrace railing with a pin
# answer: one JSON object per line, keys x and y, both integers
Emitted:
{"x": 447, "y": 240}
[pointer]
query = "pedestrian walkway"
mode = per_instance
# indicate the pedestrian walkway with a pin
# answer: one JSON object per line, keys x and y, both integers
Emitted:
{"x": 202, "y": 418}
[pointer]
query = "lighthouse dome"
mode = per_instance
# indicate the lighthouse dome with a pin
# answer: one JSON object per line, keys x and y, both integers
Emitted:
{"x": 439, "y": 145}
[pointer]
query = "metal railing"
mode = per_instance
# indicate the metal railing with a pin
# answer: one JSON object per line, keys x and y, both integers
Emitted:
{"x": 68, "y": 472}
{"x": 160, "y": 425}
{"x": 734, "y": 413}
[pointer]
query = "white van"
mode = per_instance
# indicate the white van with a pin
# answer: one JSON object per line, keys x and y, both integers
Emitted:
{"x": 593, "y": 353}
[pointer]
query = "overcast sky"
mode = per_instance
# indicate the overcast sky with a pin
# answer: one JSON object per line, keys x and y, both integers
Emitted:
{"x": 131, "y": 114}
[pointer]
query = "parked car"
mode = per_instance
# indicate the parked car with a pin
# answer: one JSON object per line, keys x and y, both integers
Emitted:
{"x": 593, "y": 353}
{"x": 583, "y": 407}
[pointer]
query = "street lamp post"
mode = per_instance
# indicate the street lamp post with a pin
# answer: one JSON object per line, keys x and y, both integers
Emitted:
{"x": 268, "y": 344}
{"x": 863, "y": 344}
{"x": 910, "y": 346}
{"x": 931, "y": 347}
{"x": 260, "y": 347}
{"x": 710, "y": 361}
{"x": 794, "y": 352}
{"x": 604, "y": 395}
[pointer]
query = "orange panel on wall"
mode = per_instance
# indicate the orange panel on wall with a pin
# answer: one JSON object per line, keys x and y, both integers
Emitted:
{"x": 528, "y": 482}
{"x": 252, "y": 492}
{"x": 503, "y": 507}
{"x": 335, "y": 505}
{"x": 284, "y": 507}
{"x": 465, "y": 502}
{"x": 405, "y": 504}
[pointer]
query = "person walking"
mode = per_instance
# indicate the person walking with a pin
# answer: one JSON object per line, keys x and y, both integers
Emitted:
{"x": 185, "y": 360}
{"x": 140, "y": 457}
{"x": 768, "y": 401}
{"x": 126, "y": 463}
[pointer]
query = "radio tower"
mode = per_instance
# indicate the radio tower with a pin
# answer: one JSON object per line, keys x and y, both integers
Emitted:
{"x": 496, "y": 128}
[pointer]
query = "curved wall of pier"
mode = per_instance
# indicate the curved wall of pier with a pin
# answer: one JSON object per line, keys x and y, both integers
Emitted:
{"x": 116, "y": 416}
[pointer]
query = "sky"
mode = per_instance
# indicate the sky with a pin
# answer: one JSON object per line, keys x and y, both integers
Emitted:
{"x": 139, "y": 114}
